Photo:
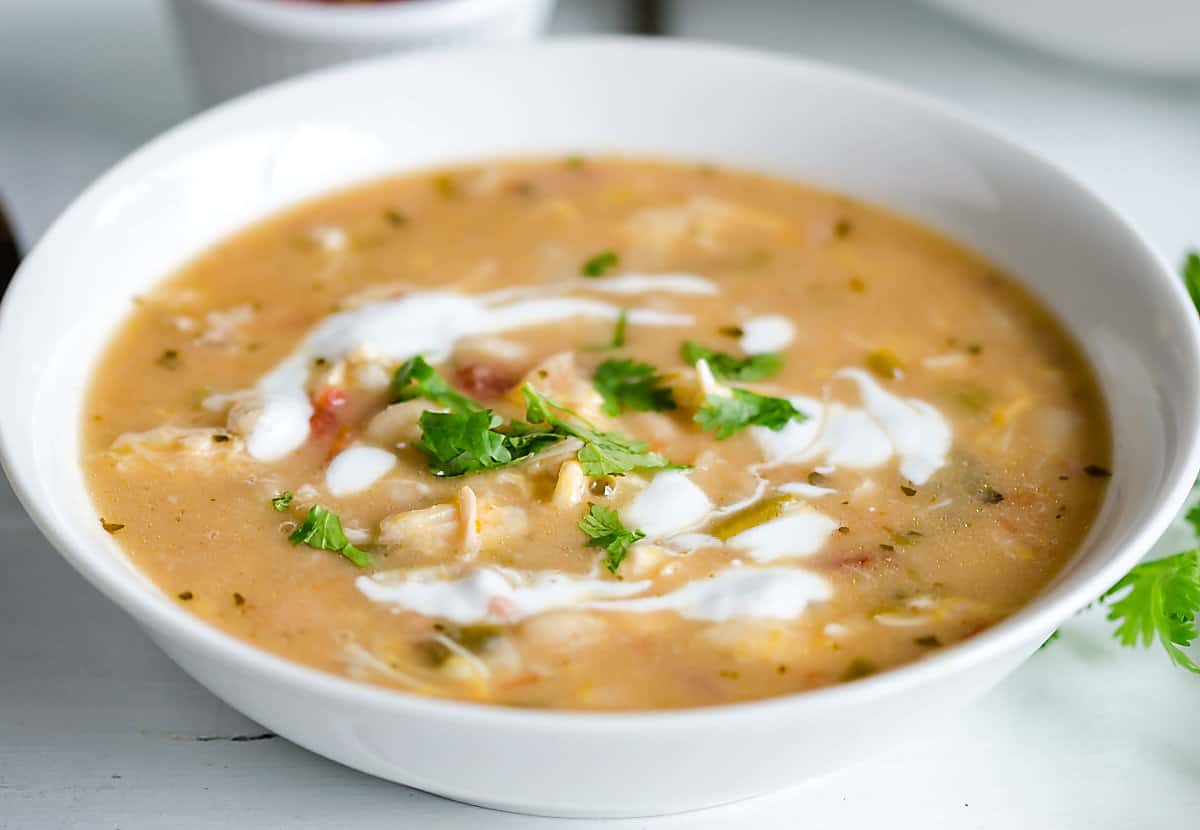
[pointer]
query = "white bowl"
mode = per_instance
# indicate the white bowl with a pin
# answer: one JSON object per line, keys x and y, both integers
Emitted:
{"x": 233, "y": 46}
{"x": 1156, "y": 37}
{"x": 256, "y": 155}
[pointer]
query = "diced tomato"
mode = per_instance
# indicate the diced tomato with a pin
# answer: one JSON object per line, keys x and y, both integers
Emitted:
{"x": 331, "y": 397}
{"x": 484, "y": 382}
{"x": 324, "y": 421}
{"x": 501, "y": 607}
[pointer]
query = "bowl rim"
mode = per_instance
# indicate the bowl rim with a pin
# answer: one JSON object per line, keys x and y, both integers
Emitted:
{"x": 1013, "y": 633}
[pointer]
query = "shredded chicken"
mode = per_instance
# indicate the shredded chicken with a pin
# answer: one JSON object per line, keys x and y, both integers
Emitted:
{"x": 468, "y": 516}
{"x": 221, "y": 327}
{"x": 169, "y": 446}
{"x": 926, "y": 610}
{"x": 703, "y": 221}
{"x": 560, "y": 379}
{"x": 465, "y": 527}
{"x": 645, "y": 560}
{"x": 571, "y": 487}
{"x": 397, "y": 425}
{"x": 329, "y": 238}
{"x": 361, "y": 664}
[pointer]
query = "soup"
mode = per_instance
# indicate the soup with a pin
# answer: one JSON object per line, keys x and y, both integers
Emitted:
{"x": 595, "y": 434}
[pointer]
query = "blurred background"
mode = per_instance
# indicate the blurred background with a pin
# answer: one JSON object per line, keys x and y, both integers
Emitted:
{"x": 1108, "y": 89}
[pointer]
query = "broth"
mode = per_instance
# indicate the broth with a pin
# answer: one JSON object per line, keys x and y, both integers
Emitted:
{"x": 878, "y": 445}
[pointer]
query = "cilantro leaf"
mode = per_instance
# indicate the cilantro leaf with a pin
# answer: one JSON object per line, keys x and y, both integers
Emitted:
{"x": 322, "y": 530}
{"x": 417, "y": 379}
{"x": 599, "y": 264}
{"x": 1162, "y": 601}
{"x": 283, "y": 501}
{"x": 727, "y": 367}
{"x": 602, "y": 453}
{"x": 458, "y": 443}
{"x": 604, "y": 529}
{"x": 1191, "y": 276}
{"x": 614, "y": 454}
{"x": 729, "y": 414}
{"x": 630, "y": 385}
{"x": 618, "y": 338}
{"x": 524, "y": 440}
{"x": 1193, "y": 516}
{"x": 462, "y": 442}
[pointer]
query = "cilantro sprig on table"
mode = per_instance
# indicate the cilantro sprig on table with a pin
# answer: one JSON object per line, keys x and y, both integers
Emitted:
{"x": 629, "y": 385}
{"x": 1161, "y": 602}
{"x": 604, "y": 530}
{"x": 1160, "y": 599}
{"x": 1191, "y": 276}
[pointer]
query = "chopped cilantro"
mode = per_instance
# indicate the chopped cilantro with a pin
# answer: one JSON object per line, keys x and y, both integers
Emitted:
{"x": 417, "y": 379}
{"x": 322, "y": 530}
{"x": 604, "y": 529}
{"x": 1193, "y": 516}
{"x": 283, "y": 501}
{"x": 614, "y": 454}
{"x": 600, "y": 264}
{"x": 458, "y": 443}
{"x": 1162, "y": 601}
{"x": 618, "y": 338}
{"x": 727, "y": 367}
{"x": 1161, "y": 598}
{"x": 729, "y": 414}
{"x": 1191, "y": 276}
{"x": 630, "y": 385}
{"x": 602, "y": 453}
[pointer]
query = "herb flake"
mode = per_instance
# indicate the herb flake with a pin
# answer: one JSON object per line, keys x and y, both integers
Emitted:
{"x": 604, "y": 530}
{"x": 602, "y": 453}
{"x": 628, "y": 385}
{"x": 323, "y": 530}
{"x": 727, "y": 367}
{"x": 618, "y": 338}
{"x": 729, "y": 414}
{"x": 600, "y": 264}
{"x": 415, "y": 378}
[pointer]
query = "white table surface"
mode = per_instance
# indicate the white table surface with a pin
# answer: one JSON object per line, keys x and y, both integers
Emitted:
{"x": 98, "y": 729}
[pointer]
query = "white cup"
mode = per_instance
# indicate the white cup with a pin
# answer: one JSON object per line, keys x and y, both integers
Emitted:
{"x": 234, "y": 46}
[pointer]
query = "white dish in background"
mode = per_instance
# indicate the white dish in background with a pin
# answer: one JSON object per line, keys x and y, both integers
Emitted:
{"x": 1158, "y": 37}
{"x": 256, "y": 155}
{"x": 233, "y": 46}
